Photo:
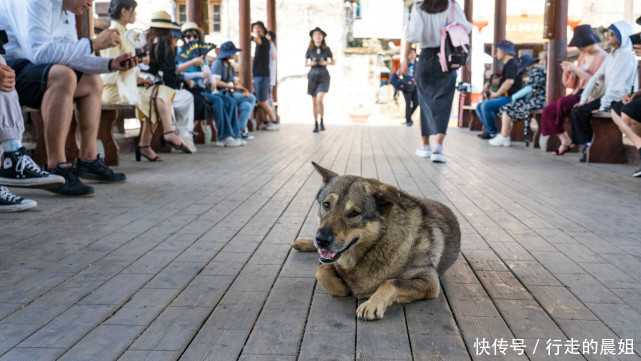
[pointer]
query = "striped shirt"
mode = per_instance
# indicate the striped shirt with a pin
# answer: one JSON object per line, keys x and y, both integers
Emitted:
{"x": 222, "y": 72}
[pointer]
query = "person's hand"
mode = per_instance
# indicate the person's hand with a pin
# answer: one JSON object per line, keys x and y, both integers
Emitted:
{"x": 207, "y": 76}
{"x": 106, "y": 39}
{"x": 405, "y": 70}
{"x": 245, "y": 93}
{"x": 199, "y": 61}
{"x": 568, "y": 66}
{"x": 578, "y": 105}
{"x": 595, "y": 111}
{"x": 145, "y": 82}
{"x": 626, "y": 98}
{"x": 637, "y": 49}
{"x": 634, "y": 96}
{"x": 7, "y": 78}
{"x": 322, "y": 62}
{"x": 130, "y": 63}
{"x": 494, "y": 95}
{"x": 146, "y": 59}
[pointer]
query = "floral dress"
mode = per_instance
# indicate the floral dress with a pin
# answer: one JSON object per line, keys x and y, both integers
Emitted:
{"x": 520, "y": 109}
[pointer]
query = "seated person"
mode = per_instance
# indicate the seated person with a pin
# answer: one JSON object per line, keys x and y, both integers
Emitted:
{"x": 627, "y": 114}
{"x": 17, "y": 169}
{"x": 531, "y": 97}
{"x": 491, "y": 85}
{"x": 53, "y": 70}
{"x": 227, "y": 83}
{"x": 511, "y": 82}
{"x": 619, "y": 73}
{"x": 575, "y": 77}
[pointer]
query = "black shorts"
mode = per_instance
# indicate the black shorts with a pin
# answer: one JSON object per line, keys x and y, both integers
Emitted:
{"x": 317, "y": 81}
{"x": 632, "y": 109}
{"x": 31, "y": 81}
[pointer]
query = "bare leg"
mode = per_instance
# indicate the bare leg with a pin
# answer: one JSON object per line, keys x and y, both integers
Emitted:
{"x": 268, "y": 110}
{"x": 88, "y": 98}
{"x": 426, "y": 140}
{"x": 57, "y": 108}
{"x": 164, "y": 113}
{"x": 320, "y": 106}
{"x": 315, "y": 109}
{"x": 565, "y": 138}
{"x": 440, "y": 137}
{"x": 628, "y": 126}
{"x": 506, "y": 122}
{"x": 146, "y": 133}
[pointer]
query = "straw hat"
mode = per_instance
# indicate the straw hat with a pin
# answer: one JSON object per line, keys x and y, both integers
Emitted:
{"x": 190, "y": 25}
{"x": 162, "y": 19}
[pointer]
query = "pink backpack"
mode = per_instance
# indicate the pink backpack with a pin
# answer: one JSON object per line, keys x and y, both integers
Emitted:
{"x": 455, "y": 44}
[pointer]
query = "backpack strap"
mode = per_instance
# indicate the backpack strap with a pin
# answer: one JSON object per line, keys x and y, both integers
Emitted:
{"x": 451, "y": 2}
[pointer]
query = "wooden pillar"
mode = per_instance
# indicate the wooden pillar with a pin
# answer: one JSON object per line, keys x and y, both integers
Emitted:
{"x": 557, "y": 49}
{"x": 245, "y": 43}
{"x": 500, "y": 9}
{"x": 271, "y": 25}
{"x": 84, "y": 24}
{"x": 467, "y": 69}
{"x": 195, "y": 11}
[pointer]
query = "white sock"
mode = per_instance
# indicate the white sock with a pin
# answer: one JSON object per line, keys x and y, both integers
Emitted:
{"x": 427, "y": 147}
{"x": 438, "y": 148}
{"x": 11, "y": 145}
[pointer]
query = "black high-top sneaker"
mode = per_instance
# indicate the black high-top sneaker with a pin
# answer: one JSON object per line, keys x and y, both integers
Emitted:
{"x": 73, "y": 187}
{"x": 315, "y": 127}
{"x": 322, "y": 127}
{"x": 19, "y": 170}
{"x": 12, "y": 203}
{"x": 97, "y": 170}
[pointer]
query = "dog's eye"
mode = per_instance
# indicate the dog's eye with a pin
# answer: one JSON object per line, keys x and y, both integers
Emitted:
{"x": 353, "y": 214}
{"x": 325, "y": 205}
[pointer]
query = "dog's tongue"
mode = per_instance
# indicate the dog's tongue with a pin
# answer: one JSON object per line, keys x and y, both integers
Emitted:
{"x": 327, "y": 254}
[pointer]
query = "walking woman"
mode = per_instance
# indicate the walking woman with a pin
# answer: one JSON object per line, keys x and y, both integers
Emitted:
{"x": 318, "y": 56}
{"x": 435, "y": 87}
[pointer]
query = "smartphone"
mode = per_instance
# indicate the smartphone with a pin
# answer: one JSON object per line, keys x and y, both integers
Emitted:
{"x": 635, "y": 39}
{"x": 139, "y": 56}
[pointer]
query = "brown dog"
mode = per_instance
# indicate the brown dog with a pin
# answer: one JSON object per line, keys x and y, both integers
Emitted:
{"x": 377, "y": 241}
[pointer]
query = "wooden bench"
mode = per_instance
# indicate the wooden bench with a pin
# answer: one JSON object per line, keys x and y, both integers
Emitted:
{"x": 199, "y": 132}
{"x": 553, "y": 142}
{"x": 470, "y": 119}
{"x": 109, "y": 116}
{"x": 607, "y": 140}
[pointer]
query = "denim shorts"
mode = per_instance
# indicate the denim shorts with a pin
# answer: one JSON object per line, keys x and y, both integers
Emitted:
{"x": 31, "y": 81}
{"x": 261, "y": 88}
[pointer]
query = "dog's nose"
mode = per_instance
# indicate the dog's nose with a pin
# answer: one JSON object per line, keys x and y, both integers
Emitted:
{"x": 324, "y": 239}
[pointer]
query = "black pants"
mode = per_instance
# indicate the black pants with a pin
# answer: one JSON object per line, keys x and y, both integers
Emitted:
{"x": 411, "y": 103}
{"x": 581, "y": 126}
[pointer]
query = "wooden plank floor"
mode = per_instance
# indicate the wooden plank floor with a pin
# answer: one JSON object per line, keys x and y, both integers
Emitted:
{"x": 191, "y": 259}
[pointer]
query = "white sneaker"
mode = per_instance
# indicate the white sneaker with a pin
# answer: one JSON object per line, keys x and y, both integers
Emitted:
{"x": 423, "y": 153}
{"x": 438, "y": 158}
{"x": 242, "y": 141}
{"x": 272, "y": 126}
{"x": 231, "y": 142}
{"x": 500, "y": 141}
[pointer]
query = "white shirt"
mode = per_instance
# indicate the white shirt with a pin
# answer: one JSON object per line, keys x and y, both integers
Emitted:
{"x": 39, "y": 30}
{"x": 425, "y": 29}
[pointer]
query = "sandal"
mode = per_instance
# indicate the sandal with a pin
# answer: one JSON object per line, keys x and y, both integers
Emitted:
{"x": 139, "y": 154}
{"x": 562, "y": 149}
{"x": 163, "y": 142}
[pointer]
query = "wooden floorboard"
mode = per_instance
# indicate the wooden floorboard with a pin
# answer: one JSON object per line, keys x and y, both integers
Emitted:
{"x": 191, "y": 258}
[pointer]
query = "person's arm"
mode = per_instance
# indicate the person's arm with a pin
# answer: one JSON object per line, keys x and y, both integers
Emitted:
{"x": 193, "y": 62}
{"x": 406, "y": 54}
{"x": 459, "y": 18}
{"x": 590, "y": 85}
{"x": 7, "y": 78}
{"x": 621, "y": 72}
{"x": 505, "y": 86}
{"x": 257, "y": 39}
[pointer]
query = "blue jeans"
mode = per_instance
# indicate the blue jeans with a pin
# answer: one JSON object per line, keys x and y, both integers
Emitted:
{"x": 225, "y": 115}
{"x": 245, "y": 106}
{"x": 487, "y": 110}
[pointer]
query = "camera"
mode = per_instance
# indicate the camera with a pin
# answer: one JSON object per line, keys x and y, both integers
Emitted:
{"x": 3, "y": 40}
{"x": 464, "y": 87}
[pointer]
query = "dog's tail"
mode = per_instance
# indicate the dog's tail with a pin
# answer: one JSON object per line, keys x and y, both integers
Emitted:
{"x": 304, "y": 245}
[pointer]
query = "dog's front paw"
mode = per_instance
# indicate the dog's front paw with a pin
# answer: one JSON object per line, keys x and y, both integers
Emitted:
{"x": 371, "y": 310}
{"x": 304, "y": 245}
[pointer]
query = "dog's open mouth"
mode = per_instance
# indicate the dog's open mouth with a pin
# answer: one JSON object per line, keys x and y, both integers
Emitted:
{"x": 331, "y": 257}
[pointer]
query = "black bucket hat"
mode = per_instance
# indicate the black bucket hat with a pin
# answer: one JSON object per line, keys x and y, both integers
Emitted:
{"x": 261, "y": 24}
{"x": 507, "y": 46}
{"x": 638, "y": 20}
{"x": 525, "y": 61}
{"x": 584, "y": 35}
{"x": 317, "y": 29}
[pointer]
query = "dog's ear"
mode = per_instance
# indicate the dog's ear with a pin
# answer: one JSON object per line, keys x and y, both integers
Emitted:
{"x": 325, "y": 173}
{"x": 385, "y": 196}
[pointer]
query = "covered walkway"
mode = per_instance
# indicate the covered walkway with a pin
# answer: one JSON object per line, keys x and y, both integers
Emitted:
{"x": 191, "y": 259}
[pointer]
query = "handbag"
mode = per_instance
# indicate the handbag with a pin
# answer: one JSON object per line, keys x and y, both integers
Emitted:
{"x": 405, "y": 84}
{"x": 455, "y": 44}
{"x": 598, "y": 90}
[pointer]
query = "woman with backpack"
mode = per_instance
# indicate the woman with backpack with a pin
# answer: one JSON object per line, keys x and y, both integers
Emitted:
{"x": 435, "y": 86}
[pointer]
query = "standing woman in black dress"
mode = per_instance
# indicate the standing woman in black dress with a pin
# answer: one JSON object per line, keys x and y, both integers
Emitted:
{"x": 318, "y": 56}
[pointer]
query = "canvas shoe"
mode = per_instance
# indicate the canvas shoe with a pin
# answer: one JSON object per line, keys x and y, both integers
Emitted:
{"x": 637, "y": 173}
{"x": 423, "y": 153}
{"x": 73, "y": 187}
{"x": 438, "y": 158}
{"x": 97, "y": 170}
{"x": 19, "y": 170}
{"x": 11, "y": 203}
{"x": 485, "y": 135}
{"x": 272, "y": 126}
{"x": 500, "y": 141}
{"x": 246, "y": 136}
{"x": 229, "y": 142}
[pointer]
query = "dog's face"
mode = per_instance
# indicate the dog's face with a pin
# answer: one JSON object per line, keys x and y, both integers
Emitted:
{"x": 351, "y": 211}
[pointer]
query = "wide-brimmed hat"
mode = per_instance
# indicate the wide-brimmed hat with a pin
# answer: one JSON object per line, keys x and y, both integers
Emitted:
{"x": 261, "y": 24}
{"x": 176, "y": 33}
{"x": 525, "y": 61}
{"x": 584, "y": 35}
{"x": 227, "y": 49}
{"x": 317, "y": 29}
{"x": 162, "y": 19}
{"x": 507, "y": 46}
{"x": 190, "y": 25}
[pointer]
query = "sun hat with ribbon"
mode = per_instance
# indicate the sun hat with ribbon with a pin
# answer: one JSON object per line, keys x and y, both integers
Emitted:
{"x": 162, "y": 19}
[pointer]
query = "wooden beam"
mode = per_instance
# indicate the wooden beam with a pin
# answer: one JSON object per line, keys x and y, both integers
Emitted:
{"x": 557, "y": 49}
{"x": 271, "y": 25}
{"x": 500, "y": 7}
{"x": 195, "y": 11}
{"x": 245, "y": 42}
{"x": 467, "y": 69}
